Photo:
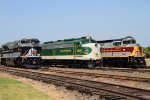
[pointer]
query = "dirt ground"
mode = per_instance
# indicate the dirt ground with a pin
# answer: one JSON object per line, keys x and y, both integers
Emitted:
{"x": 54, "y": 93}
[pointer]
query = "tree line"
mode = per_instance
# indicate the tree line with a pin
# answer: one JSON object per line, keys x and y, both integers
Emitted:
{"x": 146, "y": 50}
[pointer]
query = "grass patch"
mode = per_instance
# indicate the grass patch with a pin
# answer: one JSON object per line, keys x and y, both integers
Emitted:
{"x": 11, "y": 89}
{"x": 147, "y": 62}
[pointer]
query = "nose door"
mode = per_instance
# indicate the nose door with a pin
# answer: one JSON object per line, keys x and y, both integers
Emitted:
{"x": 97, "y": 51}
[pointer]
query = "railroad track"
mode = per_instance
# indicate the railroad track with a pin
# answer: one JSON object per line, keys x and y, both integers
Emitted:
{"x": 130, "y": 70}
{"x": 104, "y": 90}
{"x": 98, "y": 75}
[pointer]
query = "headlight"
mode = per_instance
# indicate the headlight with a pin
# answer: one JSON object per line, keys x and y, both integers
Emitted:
{"x": 96, "y": 45}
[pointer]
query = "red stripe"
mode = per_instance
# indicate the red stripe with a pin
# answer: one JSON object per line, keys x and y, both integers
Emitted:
{"x": 118, "y": 49}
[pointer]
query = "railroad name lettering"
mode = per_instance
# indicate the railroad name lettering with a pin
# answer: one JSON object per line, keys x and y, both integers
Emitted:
{"x": 79, "y": 50}
{"x": 65, "y": 50}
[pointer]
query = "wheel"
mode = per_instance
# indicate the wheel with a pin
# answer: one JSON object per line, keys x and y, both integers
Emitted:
{"x": 91, "y": 65}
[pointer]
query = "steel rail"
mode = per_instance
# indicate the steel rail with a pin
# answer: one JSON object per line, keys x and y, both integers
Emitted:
{"x": 97, "y": 75}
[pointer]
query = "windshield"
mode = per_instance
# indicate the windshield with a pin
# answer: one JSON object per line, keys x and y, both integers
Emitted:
{"x": 30, "y": 41}
{"x": 35, "y": 41}
{"x": 126, "y": 42}
{"x": 88, "y": 41}
{"x": 133, "y": 42}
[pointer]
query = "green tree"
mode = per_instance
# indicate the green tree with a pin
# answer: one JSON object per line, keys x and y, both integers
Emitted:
{"x": 146, "y": 50}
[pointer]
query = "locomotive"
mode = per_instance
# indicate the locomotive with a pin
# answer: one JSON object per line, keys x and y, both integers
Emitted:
{"x": 22, "y": 53}
{"x": 75, "y": 52}
{"x": 123, "y": 52}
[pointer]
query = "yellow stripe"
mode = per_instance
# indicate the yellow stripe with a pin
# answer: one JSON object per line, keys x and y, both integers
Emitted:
{"x": 25, "y": 53}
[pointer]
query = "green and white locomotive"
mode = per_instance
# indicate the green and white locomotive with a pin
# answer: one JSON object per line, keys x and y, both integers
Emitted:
{"x": 78, "y": 52}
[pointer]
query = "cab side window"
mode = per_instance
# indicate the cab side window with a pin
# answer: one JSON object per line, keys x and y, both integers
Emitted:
{"x": 116, "y": 43}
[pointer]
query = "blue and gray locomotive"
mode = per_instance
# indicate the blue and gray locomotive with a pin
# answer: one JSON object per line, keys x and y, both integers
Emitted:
{"x": 22, "y": 53}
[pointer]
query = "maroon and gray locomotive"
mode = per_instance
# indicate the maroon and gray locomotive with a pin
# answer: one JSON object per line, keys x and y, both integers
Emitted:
{"x": 123, "y": 52}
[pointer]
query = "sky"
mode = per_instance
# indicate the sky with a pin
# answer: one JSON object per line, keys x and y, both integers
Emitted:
{"x": 51, "y": 20}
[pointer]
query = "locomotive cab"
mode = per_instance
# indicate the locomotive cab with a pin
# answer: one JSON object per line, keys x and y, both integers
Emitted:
{"x": 128, "y": 41}
{"x": 28, "y": 42}
{"x": 136, "y": 57}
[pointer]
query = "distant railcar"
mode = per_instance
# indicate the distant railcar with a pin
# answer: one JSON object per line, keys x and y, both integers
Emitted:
{"x": 79, "y": 52}
{"x": 22, "y": 53}
{"x": 124, "y": 52}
